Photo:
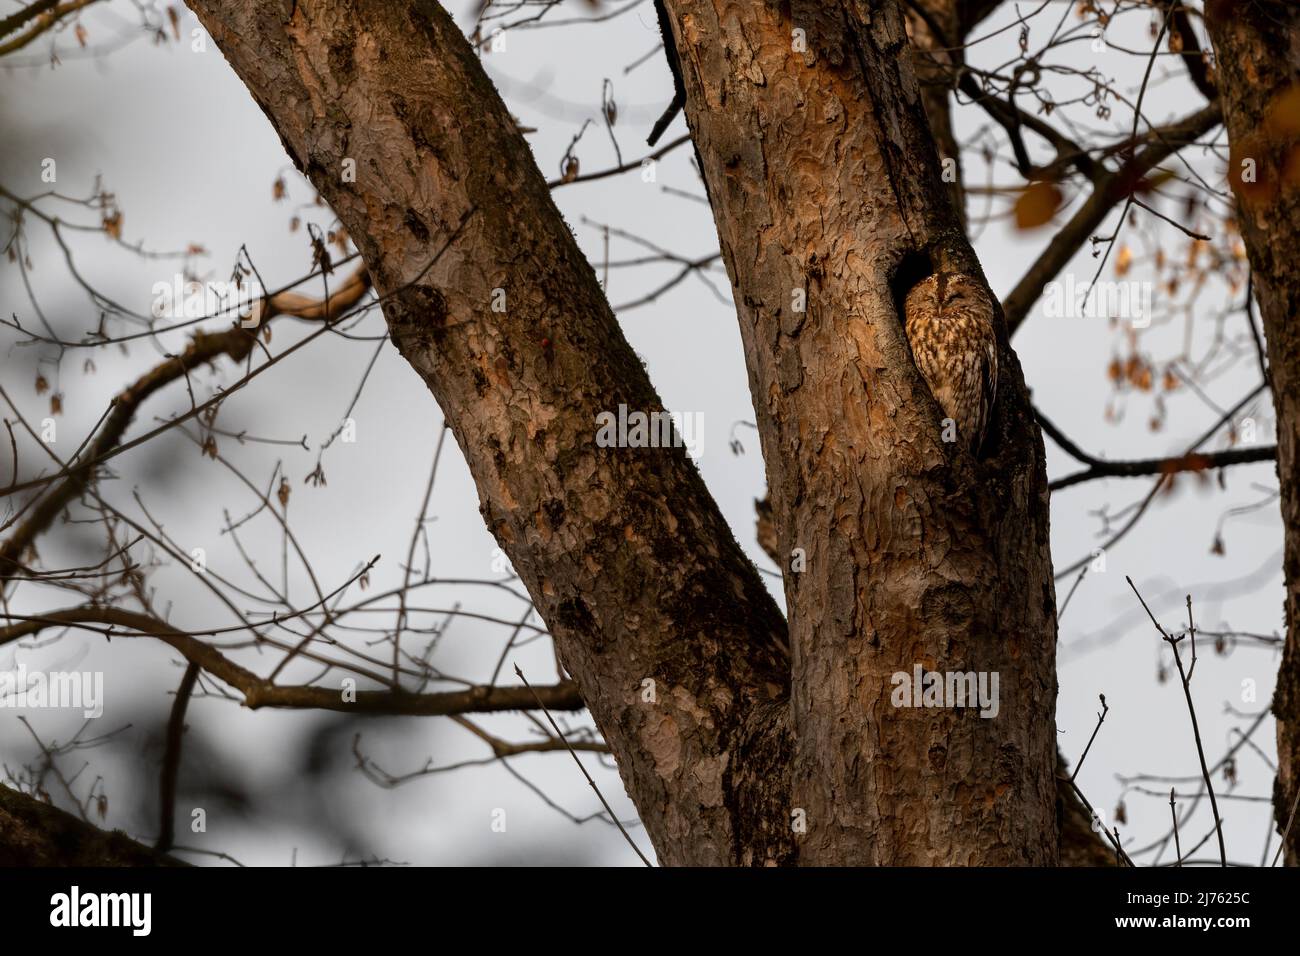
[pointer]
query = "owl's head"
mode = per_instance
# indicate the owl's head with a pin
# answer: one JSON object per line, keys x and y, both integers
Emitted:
{"x": 956, "y": 290}
{"x": 923, "y": 298}
{"x": 946, "y": 294}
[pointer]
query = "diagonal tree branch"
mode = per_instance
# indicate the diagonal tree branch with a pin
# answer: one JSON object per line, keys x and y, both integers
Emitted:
{"x": 33, "y": 833}
{"x": 656, "y": 612}
{"x": 1108, "y": 192}
{"x": 1137, "y": 468}
{"x": 46, "y": 17}
{"x": 260, "y": 692}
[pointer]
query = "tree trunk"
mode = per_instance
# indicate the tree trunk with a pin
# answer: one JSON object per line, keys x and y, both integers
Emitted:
{"x": 1257, "y": 55}
{"x": 623, "y": 551}
{"x": 824, "y": 181}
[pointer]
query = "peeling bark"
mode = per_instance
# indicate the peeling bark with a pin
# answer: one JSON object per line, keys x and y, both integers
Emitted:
{"x": 824, "y": 180}
{"x": 627, "y": 558}
{"x": 1257, "y": 53}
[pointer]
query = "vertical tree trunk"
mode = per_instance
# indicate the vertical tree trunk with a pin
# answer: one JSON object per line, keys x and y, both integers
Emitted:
{"x": 1257, "y": 55}
{"x": 825, "y": 183}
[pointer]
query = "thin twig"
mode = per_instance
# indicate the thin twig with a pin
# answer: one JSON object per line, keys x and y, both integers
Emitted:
{"x": 1178, "y": 847}
{"x": 1100, "y": 719}
{"x": 1185, "y": 678}
{"x": 559, "y": 733}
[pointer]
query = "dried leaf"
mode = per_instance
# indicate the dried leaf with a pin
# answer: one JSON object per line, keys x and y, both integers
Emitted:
{"x": 321, "y": 255}
{"x": 1138, "y": 373}
{"x": 1037, "y": 205}
{"x": 1123, "y": 260}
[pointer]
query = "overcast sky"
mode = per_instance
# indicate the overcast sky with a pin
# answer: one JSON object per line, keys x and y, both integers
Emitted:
{"x": 192, "y": 159}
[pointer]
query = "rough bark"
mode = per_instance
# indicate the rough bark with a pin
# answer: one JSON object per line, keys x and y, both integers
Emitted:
{"x": 1257, "y": 53}
{"x": 628, "y": 560}
{"x": 33, "y": 833}
{"x": 824, "y": 179}
{"x": 1080, "y": 844}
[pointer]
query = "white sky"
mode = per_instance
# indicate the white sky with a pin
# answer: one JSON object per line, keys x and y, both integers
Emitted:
{"x": 191, "y": 158}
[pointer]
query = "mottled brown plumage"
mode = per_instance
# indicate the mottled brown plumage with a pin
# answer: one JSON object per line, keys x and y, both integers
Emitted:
{"x": 949, "y": 322}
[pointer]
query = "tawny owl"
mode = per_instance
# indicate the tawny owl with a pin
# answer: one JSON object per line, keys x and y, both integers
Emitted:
{"x": 948, "y": 318}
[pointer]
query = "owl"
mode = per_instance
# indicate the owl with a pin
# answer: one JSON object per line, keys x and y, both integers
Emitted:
{"x": 948, "y": 318}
